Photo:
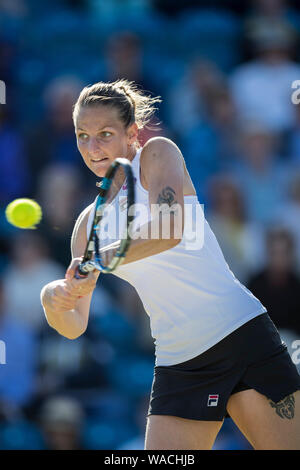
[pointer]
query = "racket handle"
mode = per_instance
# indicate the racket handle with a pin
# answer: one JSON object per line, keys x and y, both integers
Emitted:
{"x": 83, "y": 269}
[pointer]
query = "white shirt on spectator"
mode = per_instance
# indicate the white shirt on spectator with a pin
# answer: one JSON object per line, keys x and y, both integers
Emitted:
{"x": 263, "y": 92}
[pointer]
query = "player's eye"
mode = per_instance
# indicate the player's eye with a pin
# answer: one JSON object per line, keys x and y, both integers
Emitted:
{"x": 105, "y": 134}
{"x": 83, "y": 136}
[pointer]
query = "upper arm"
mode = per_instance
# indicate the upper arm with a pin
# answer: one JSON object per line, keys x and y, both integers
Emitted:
{"x": 162, "y": 168}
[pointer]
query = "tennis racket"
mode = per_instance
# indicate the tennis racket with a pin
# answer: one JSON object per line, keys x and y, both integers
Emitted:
{"x": 92, "y": 258}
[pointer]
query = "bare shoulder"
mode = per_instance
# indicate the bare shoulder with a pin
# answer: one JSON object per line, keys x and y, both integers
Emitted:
{"x": 158, "y": 145}
{"x": 161, "y": 161}
{"x": 162, "y": 158}
{"x": 79, "y": 235}
{"x": 159, "y": 153}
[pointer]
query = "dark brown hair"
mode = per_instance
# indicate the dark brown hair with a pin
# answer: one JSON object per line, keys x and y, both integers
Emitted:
{"x": 132, "y": 103}
{"x": 282, "y": 234}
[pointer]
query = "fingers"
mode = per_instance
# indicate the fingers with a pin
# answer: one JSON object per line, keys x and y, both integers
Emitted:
{"x": 67, "y": 292}
{"x": 62, "y": 299}
{"x": 82, "y": 287}
{"x": 70, "y": 273}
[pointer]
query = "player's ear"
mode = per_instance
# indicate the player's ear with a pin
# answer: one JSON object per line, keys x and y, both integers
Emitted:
{"x": 132, "y": 133}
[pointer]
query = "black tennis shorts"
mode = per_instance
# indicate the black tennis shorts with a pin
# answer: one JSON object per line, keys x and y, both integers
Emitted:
{"x": 251, "y": 357}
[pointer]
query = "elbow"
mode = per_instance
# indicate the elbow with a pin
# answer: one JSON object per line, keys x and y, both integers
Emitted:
{"x": 74, "y": 334}
{"x": 71, "y": 335}
{"x": 69, "y": 326}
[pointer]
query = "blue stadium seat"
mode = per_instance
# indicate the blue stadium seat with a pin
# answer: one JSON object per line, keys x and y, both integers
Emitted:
{"x": 21, "y": 435}
{"x": 104, "y": 434}
{"x": 132, "y": 374}
{"x": 114, "y": 327}
{"x": 210, "y": 33}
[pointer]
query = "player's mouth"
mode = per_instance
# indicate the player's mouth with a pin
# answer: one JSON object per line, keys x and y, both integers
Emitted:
{"x": 99, "y": 160}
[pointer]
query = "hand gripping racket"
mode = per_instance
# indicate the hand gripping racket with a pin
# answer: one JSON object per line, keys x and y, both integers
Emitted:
{"x": 92, "y": 255}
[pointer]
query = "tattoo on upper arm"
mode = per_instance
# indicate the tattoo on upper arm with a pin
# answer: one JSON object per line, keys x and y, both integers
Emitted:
{"x": 285, "y": 408}
{"x": 167, "y": 196}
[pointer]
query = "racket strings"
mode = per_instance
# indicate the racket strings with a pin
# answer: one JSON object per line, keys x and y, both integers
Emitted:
{"x": 111, "y": 218}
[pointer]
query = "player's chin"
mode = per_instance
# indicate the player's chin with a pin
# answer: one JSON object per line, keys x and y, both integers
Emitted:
{"x": 100, "y": 168}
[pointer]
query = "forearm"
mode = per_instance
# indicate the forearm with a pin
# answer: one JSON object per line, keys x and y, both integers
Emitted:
{"x": 149, "y": 245}
{"x": 140, "y": 249}
{"x": 68, "y": 323}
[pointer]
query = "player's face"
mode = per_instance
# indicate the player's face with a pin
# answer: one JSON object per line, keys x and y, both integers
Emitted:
{"x": 102, "y": 137}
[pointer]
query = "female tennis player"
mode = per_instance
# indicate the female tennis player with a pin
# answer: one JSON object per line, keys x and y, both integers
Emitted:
{"x": 217, "y": 351}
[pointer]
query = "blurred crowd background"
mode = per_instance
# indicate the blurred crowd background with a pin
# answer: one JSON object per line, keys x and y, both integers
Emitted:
{"x": 225, "y": 71}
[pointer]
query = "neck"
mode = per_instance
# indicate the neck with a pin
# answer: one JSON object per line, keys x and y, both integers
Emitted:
{"x": 131, "y": 153}
{"x": 119, "y": 178}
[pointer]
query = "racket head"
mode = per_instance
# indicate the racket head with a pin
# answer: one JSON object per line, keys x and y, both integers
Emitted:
{"x": 117, "y": 183}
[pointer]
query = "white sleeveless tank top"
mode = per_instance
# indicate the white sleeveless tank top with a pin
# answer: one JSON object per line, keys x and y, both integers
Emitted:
{"x": 191, "y": 296}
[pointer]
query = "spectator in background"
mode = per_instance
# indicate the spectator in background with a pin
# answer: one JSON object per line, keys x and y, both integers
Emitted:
{"x": 270, "y": 10}
{"x": 8, "y": 54}
{"x": 132, "y": 306}
{"x": 288, "y": 215}
{"x": 109, "y": 10}
{"x": 204, "y": 123}
{"x": 14, "y": 8}
{"x": 212, "y": 145}
{"x": 138, "y": 441}
{"x": 24, "y": 277}
{"x": 125, "y": 58}
{"x": 187, "y": 99}
{"x": 293, "y": 139}
{"x": 19, "y": 368}
{"x": 14, "y": 174}
{"x": 222, "y": 117}
{"x": 262, "y": 87}
{"x": 241, "y": 241}
{"x": 67, "y": 365}
{"x": 61, "y": 193}
{"x": 62, "y": 420}
{"x": 52, "y": 141}
{"x": 262, "y": 176}
{"x": 277, "y": 285}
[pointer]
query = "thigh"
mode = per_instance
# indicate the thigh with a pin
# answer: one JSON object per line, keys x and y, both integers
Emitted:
{"x": 267, "y": 425}
{"x": 173, "y": 433}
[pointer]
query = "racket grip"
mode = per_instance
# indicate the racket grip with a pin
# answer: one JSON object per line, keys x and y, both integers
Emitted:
{"x": 83, "y": 269}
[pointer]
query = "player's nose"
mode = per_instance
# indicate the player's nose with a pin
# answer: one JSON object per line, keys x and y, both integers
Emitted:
{"x": 94, "y": 147}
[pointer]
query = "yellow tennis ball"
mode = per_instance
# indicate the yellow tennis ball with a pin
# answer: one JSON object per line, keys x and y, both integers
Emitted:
{"x": 23, "y": 213}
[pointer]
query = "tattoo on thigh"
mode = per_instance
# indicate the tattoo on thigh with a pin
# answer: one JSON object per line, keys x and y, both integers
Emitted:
{"x": 285, "y": 408}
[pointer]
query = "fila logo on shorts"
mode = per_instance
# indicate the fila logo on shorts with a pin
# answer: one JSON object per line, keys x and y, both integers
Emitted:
{"x": 212, "y": 400}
